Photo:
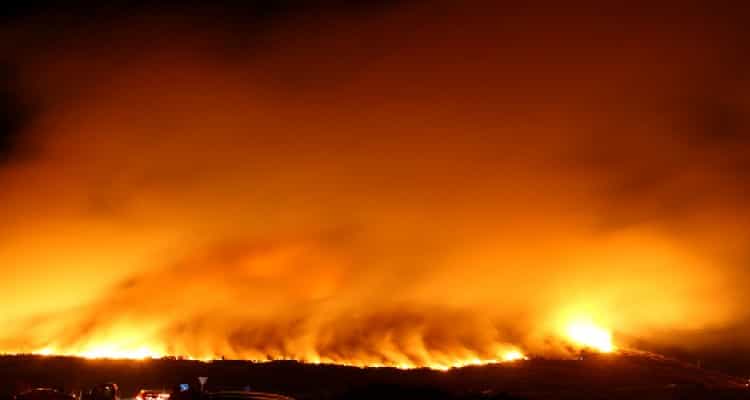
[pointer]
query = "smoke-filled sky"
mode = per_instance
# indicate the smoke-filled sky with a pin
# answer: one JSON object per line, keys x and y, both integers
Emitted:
{"x": 403, "y": 183}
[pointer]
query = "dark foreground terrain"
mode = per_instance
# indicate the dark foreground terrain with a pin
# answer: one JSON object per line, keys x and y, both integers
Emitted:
{"x": 601, "y": 377}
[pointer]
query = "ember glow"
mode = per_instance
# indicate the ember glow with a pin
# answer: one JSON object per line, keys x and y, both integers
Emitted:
{"x": 404, "y": 185}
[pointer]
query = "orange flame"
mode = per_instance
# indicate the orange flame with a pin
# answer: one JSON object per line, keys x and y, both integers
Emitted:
{"x": 110, "y": 351}
{"x": 588, "y": 335}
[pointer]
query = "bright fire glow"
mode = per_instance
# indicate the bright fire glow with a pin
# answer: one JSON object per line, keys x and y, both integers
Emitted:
{"x": 588, "y": 335}
{"x": 513, "y": 355}
{"x": 115, "y": 352}
{"x": 105, "y": 351}
{"x": 508, "y": 356}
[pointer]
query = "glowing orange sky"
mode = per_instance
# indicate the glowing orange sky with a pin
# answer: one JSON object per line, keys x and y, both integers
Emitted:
{"x": 408, "y": 186}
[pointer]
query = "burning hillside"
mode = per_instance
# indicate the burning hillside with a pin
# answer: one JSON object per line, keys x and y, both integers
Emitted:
{"x": 402, "y": 185}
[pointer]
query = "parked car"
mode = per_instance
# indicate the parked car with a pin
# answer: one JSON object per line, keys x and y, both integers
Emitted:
{"x": 154, "y": 394}
{"x": 103, "y": 391}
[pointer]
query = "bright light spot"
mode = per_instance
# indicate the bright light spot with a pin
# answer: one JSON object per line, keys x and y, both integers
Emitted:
{"x": 513, "y": 355}
{"x": 589, "y": 335}
{"x": 47, "y": 351}
{"x": 119, "y": 353}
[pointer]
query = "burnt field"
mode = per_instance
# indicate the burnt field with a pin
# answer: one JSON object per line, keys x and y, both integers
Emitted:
{"x": 610, "y": 377}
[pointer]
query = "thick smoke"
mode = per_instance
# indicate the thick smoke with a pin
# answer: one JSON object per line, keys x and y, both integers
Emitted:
{"x": 406, "y": 186}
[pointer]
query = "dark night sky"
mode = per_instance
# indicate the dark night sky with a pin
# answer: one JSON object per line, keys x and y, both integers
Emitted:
{"x": 50, "y": 17}
{"x": 14, "y": 112}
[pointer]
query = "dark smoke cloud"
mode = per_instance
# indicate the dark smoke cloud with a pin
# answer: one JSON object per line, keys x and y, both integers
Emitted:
{"x": 16, "y": 113}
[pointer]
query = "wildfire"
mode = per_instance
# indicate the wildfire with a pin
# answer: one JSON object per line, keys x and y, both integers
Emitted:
{"x": 581, "y": 332}
{"x": 505, "y": 357}
{"x": 574, "y": 329}
{"x": 513, "y": 355}
{"x": 588, "y": 335}
{"x": 115, "y": 352}
{"x": 104, "y": 352}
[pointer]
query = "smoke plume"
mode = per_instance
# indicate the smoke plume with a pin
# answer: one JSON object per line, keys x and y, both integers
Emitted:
{"x": 402, "y": 184}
